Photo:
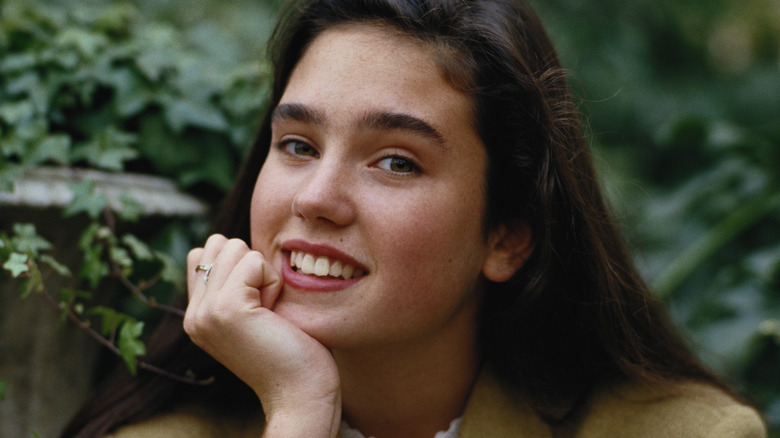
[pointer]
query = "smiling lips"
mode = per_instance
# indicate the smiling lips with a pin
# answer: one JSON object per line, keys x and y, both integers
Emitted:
{"x": 322, "y": 266}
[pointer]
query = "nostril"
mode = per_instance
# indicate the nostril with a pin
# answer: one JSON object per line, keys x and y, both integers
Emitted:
{"x": 323, "y": 206}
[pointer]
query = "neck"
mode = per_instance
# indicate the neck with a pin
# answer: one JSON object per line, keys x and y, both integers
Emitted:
{"x": 411, "y": 389}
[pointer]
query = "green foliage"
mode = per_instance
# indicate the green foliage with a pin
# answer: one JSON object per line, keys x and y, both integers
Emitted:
{"x": 3, "y": 386}
{"x": 85, "y": 200}
{"x": 97, "y": 84}
{"x": 17, "y": 264}
{"x": 104, "y": 85}
{"x": 106, "y": 256}
{"x": 130, "y": 344}
{"x": 682, "y": 100}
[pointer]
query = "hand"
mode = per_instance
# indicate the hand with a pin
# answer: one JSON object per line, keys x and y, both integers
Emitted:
{"x": 231, "y": 317}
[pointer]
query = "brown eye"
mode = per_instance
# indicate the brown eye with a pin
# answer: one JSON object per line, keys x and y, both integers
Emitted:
{"x": 397, "y": 165}
{"x": 295, "y": 147}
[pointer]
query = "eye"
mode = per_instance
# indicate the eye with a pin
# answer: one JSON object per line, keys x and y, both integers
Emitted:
{"x": 397, "y": 164}
{"x": 297, "y": 147}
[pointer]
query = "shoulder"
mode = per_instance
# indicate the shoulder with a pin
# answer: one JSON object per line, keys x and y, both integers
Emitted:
{"x": 688, "y": 409}
{"x": 193, "y": 422}
{"x": 630, "y": 410}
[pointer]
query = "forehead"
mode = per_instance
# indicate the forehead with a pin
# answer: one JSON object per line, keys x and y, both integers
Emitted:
{"x": 370, "y": 41}
{"x": 372, "y": 67}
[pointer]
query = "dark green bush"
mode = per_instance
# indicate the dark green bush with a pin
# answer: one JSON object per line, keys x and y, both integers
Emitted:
{"x": 682, "y": 101}
{"x": 103, "y": 85}
{"x": 99, "y": 85}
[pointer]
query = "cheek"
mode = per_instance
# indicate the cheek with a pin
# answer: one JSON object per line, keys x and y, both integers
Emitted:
{"x": 267, "y": 205}
{"x": 435, "y": 241}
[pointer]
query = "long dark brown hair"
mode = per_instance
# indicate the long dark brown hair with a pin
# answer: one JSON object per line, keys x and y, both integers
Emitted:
{"x": 576, "y": 315}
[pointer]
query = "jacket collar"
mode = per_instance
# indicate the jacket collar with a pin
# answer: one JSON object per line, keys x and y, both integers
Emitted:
{"x": 493, "y": 412}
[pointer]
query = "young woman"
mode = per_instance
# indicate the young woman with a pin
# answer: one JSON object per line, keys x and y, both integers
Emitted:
{"x": 417, "y": 244}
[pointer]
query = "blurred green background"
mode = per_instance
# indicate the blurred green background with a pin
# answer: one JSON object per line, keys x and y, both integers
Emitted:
{"x": 680, "y": 99}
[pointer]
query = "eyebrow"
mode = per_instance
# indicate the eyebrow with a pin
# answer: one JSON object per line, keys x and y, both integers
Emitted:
{"x": 401, "y": 121}
{"x": 297, "y": 112}
{"x": 378, "y": 119}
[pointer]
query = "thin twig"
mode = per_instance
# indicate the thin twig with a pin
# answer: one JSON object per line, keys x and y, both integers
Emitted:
{"x": 151, "y": 368}
{"x": 83, "y": 325}
{"x": 138, "y": 293}
{"x": 86, "y": 326}
{"x": 136, "y": 290}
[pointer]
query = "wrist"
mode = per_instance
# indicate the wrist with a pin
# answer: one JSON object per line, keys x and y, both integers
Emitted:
{"x": 309, "y": 419}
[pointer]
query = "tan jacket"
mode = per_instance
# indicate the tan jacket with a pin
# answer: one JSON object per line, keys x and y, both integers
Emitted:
{"x": 629, "y": 411}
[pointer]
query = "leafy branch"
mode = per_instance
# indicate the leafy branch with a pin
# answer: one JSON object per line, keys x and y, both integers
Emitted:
{"x": 105, "y": 256}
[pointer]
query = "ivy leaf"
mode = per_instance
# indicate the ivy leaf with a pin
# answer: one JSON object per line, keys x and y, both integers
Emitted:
{"x": 29, "y": 83}
{"x": 93, "y": 268}
{"x": 130, "y": 346}
{"x": 53, "y": 147}
{"x": 17, "y": 264}
{"x": 32, "y": 284}
{"x": 140, "y": 249}
{"x": 85, "y": 200}
{"x": 27, "y": 240}
{"x": 87, "y": 43}
{"x": 132, "y": 92}
{"x": 161, "y": 49}
{"x": 17, "y": 62}
{"x": 109, "y": 149}
{"x": 23, "y": 139}
{"x": 17, "y": 112}
{"x": 170, "y": 272}
{"x": 181, "y": 114}
{"x": 122, "y": 258}
{"x": 57, "y": 266}
{"x": 110, "y": 319}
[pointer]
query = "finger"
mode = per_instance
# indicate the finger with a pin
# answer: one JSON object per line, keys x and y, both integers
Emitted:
{"x": 201, "y": 256}
{"x": 193, "y": 260}
{"x": 256, "y": 278}
{"x": 229, "y": 255}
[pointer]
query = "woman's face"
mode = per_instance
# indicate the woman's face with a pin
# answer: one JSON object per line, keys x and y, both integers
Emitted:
{"x": 375, "y": 168}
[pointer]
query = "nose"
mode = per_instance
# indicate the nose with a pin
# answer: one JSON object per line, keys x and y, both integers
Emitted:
{"x": 325, "y": 195}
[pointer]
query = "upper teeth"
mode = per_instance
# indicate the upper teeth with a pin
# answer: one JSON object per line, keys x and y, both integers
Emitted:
{"x": 322, "y": 266}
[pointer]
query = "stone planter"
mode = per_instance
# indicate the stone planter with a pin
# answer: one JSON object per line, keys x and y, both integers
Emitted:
{"x": 49, "y": 366}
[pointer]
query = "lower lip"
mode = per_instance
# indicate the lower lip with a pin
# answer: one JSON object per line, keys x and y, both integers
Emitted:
{"x": 312, "y": 283}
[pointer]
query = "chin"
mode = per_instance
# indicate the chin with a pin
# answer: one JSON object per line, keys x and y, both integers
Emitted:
{"x": 315, "y": 325}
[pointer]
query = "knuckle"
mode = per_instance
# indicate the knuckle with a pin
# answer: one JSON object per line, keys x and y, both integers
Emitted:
{"x": 189, "y": 325}
{"x": 254, "y": 257}
{"x": 236, "y": 244}
{"x": 193, "y": 256}
{"x": 214, "y": 239}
